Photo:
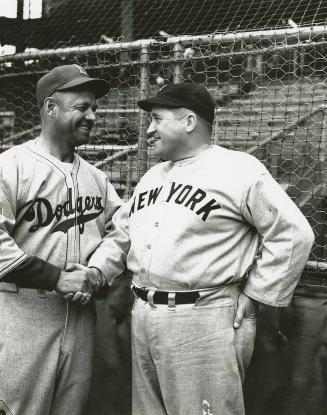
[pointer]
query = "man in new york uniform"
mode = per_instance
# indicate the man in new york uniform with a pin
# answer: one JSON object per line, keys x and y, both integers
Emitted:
{"x": 207, "y": 233}
{"x": 55, "y": 208}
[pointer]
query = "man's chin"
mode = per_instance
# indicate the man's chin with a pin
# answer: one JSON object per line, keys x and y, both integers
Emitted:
{"x": 156, "y": 156}
{"x": 83, "y": 139}
{"x": 154, "y": 153}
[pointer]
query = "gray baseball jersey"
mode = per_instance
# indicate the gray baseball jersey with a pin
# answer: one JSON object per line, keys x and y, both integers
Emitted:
{"x": 48, "y": 211}
{"x": 209, "y": 220}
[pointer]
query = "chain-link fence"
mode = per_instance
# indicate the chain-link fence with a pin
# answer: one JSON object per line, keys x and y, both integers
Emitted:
{"x": 269, "y": 87}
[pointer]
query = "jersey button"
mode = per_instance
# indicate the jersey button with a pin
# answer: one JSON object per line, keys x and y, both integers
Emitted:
{"x": 143, "y": 270}
{"x": 149, "y": 246}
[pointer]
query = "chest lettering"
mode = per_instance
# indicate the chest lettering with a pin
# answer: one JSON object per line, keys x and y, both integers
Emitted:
{"x": 192, "y": 198}
{"x": 42, "y": 212}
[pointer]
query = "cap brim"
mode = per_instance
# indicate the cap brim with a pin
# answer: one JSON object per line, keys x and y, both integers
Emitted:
{"x": 100, "y": 87}
{"x": 158, "y": 101}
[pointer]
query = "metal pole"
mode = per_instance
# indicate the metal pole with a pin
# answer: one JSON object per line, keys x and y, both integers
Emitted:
{"x": 127, "y": 19}
{"x": 295, "y": 62}
{"x": 142, "y": 154}
{"x": 178, "y": 67}
{"x": 323, "y": 151}
{"x": 275, "y": 34}
{"x": 46, "y": 53}
{"x": 303, "y": 33}
{"x": 259, "y": 65}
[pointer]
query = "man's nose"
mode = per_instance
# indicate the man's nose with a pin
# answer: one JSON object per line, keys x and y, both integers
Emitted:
{"x": 151, "y": 128}
{"x": 90, "y": 115}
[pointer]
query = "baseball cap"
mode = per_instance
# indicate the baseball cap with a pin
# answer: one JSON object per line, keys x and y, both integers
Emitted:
{"x": 187, "y": 95}
{"x": 67, "y": 77}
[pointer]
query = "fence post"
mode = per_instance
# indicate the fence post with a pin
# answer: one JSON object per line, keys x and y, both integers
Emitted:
{"x": 178, "y": 67}
{"x": 275, "y": 159}
{"x": 259, "y": 65}
{"x": 142, "y": 155}
{"x": 323, "y": 149}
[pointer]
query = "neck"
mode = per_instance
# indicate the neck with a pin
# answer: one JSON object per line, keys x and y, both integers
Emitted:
{"x": 56, "y": 148}
{"x": 193, "y": 152}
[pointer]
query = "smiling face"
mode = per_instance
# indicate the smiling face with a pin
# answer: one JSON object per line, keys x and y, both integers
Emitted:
{"x": 75, "y": 116}
{"x": 167, "y": 137}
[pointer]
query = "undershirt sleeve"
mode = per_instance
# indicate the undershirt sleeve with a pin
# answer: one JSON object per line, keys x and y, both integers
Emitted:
{"x": 34, "y": 273}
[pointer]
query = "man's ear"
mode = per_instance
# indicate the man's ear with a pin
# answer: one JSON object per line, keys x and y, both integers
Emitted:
{"x": 50, "y": 106}
{"x": 191, "y": 122}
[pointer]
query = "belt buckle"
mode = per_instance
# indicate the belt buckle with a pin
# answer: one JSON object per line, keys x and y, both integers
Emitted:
{"x": 150, "y": 298}
{"x": 171, "y": 301}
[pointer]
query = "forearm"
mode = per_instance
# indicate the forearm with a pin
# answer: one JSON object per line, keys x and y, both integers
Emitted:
{"x": 287, "y": 239}
{"x": 34, "y": 273}
{"x": 110, "y": 262}
{"x": 276, "y": 273}
{"x": 110, "y": 256}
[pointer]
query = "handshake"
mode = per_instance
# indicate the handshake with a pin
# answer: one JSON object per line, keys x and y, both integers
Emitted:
{"x": 78, "y": 283}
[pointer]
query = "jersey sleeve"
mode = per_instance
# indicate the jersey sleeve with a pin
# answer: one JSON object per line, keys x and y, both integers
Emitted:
{"x": 286, "y": 242}
{"x": 113, "y": 202}
{"x": 110, "y": 257}
{"x": 15, "y": 265}
{"x": 10, "y": 253}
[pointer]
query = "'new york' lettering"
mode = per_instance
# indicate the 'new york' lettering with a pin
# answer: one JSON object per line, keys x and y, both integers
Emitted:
{"x": 192, "y": 198}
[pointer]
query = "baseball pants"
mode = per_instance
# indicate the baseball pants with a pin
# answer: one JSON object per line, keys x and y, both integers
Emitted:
{"x": 46, "y": 348}
{"x": 189, "y": 360}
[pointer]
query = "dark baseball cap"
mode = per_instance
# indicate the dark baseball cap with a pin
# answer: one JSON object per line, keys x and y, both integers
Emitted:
{"x": 186, "y": 95}
{"x": 67, "y": 77}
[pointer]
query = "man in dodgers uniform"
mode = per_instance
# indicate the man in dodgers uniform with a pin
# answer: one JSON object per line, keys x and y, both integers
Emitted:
{"x": 207, "y": 233}
{"x": 55, "y": 208}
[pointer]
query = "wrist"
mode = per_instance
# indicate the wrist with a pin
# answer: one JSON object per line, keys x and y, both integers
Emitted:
{"x": 98, "y": 277}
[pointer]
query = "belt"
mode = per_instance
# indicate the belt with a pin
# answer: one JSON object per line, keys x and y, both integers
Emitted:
{"x": 161, "y": 297}
{"x": 319, "y": 280}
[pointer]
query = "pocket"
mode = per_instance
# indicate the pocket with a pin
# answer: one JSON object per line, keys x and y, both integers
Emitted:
{"x": 244, "y": 338}
{"x": 214, "y": 300}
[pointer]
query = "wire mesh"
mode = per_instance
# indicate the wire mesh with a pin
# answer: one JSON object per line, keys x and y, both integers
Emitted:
{"x": 269, "y": 87}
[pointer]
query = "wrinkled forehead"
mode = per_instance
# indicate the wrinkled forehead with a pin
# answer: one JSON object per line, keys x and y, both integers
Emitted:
{"x": 164, "y": 111}
{"x": 79, "y": 96}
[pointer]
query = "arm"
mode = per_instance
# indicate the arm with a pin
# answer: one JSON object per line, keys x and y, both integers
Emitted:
{"x": 110, "y": 256}
{"x": 113, "y": 203}
{"x": 33, "y": 272}
{"x": 287, "y": 239}
{"x": 11, "y": 256}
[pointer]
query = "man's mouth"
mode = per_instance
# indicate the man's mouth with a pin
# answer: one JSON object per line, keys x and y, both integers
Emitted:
{"x": 87, "y": 128}
{"x": 152, "y": 140}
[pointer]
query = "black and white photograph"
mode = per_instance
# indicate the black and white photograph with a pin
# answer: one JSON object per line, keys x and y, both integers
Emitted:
{"x": 163, "y": 207}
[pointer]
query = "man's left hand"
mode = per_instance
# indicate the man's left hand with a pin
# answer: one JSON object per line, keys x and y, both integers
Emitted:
{"x": 246, "y": 308}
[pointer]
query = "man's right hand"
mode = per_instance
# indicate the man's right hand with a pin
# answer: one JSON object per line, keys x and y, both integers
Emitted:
{"x": 73, "y": 282}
